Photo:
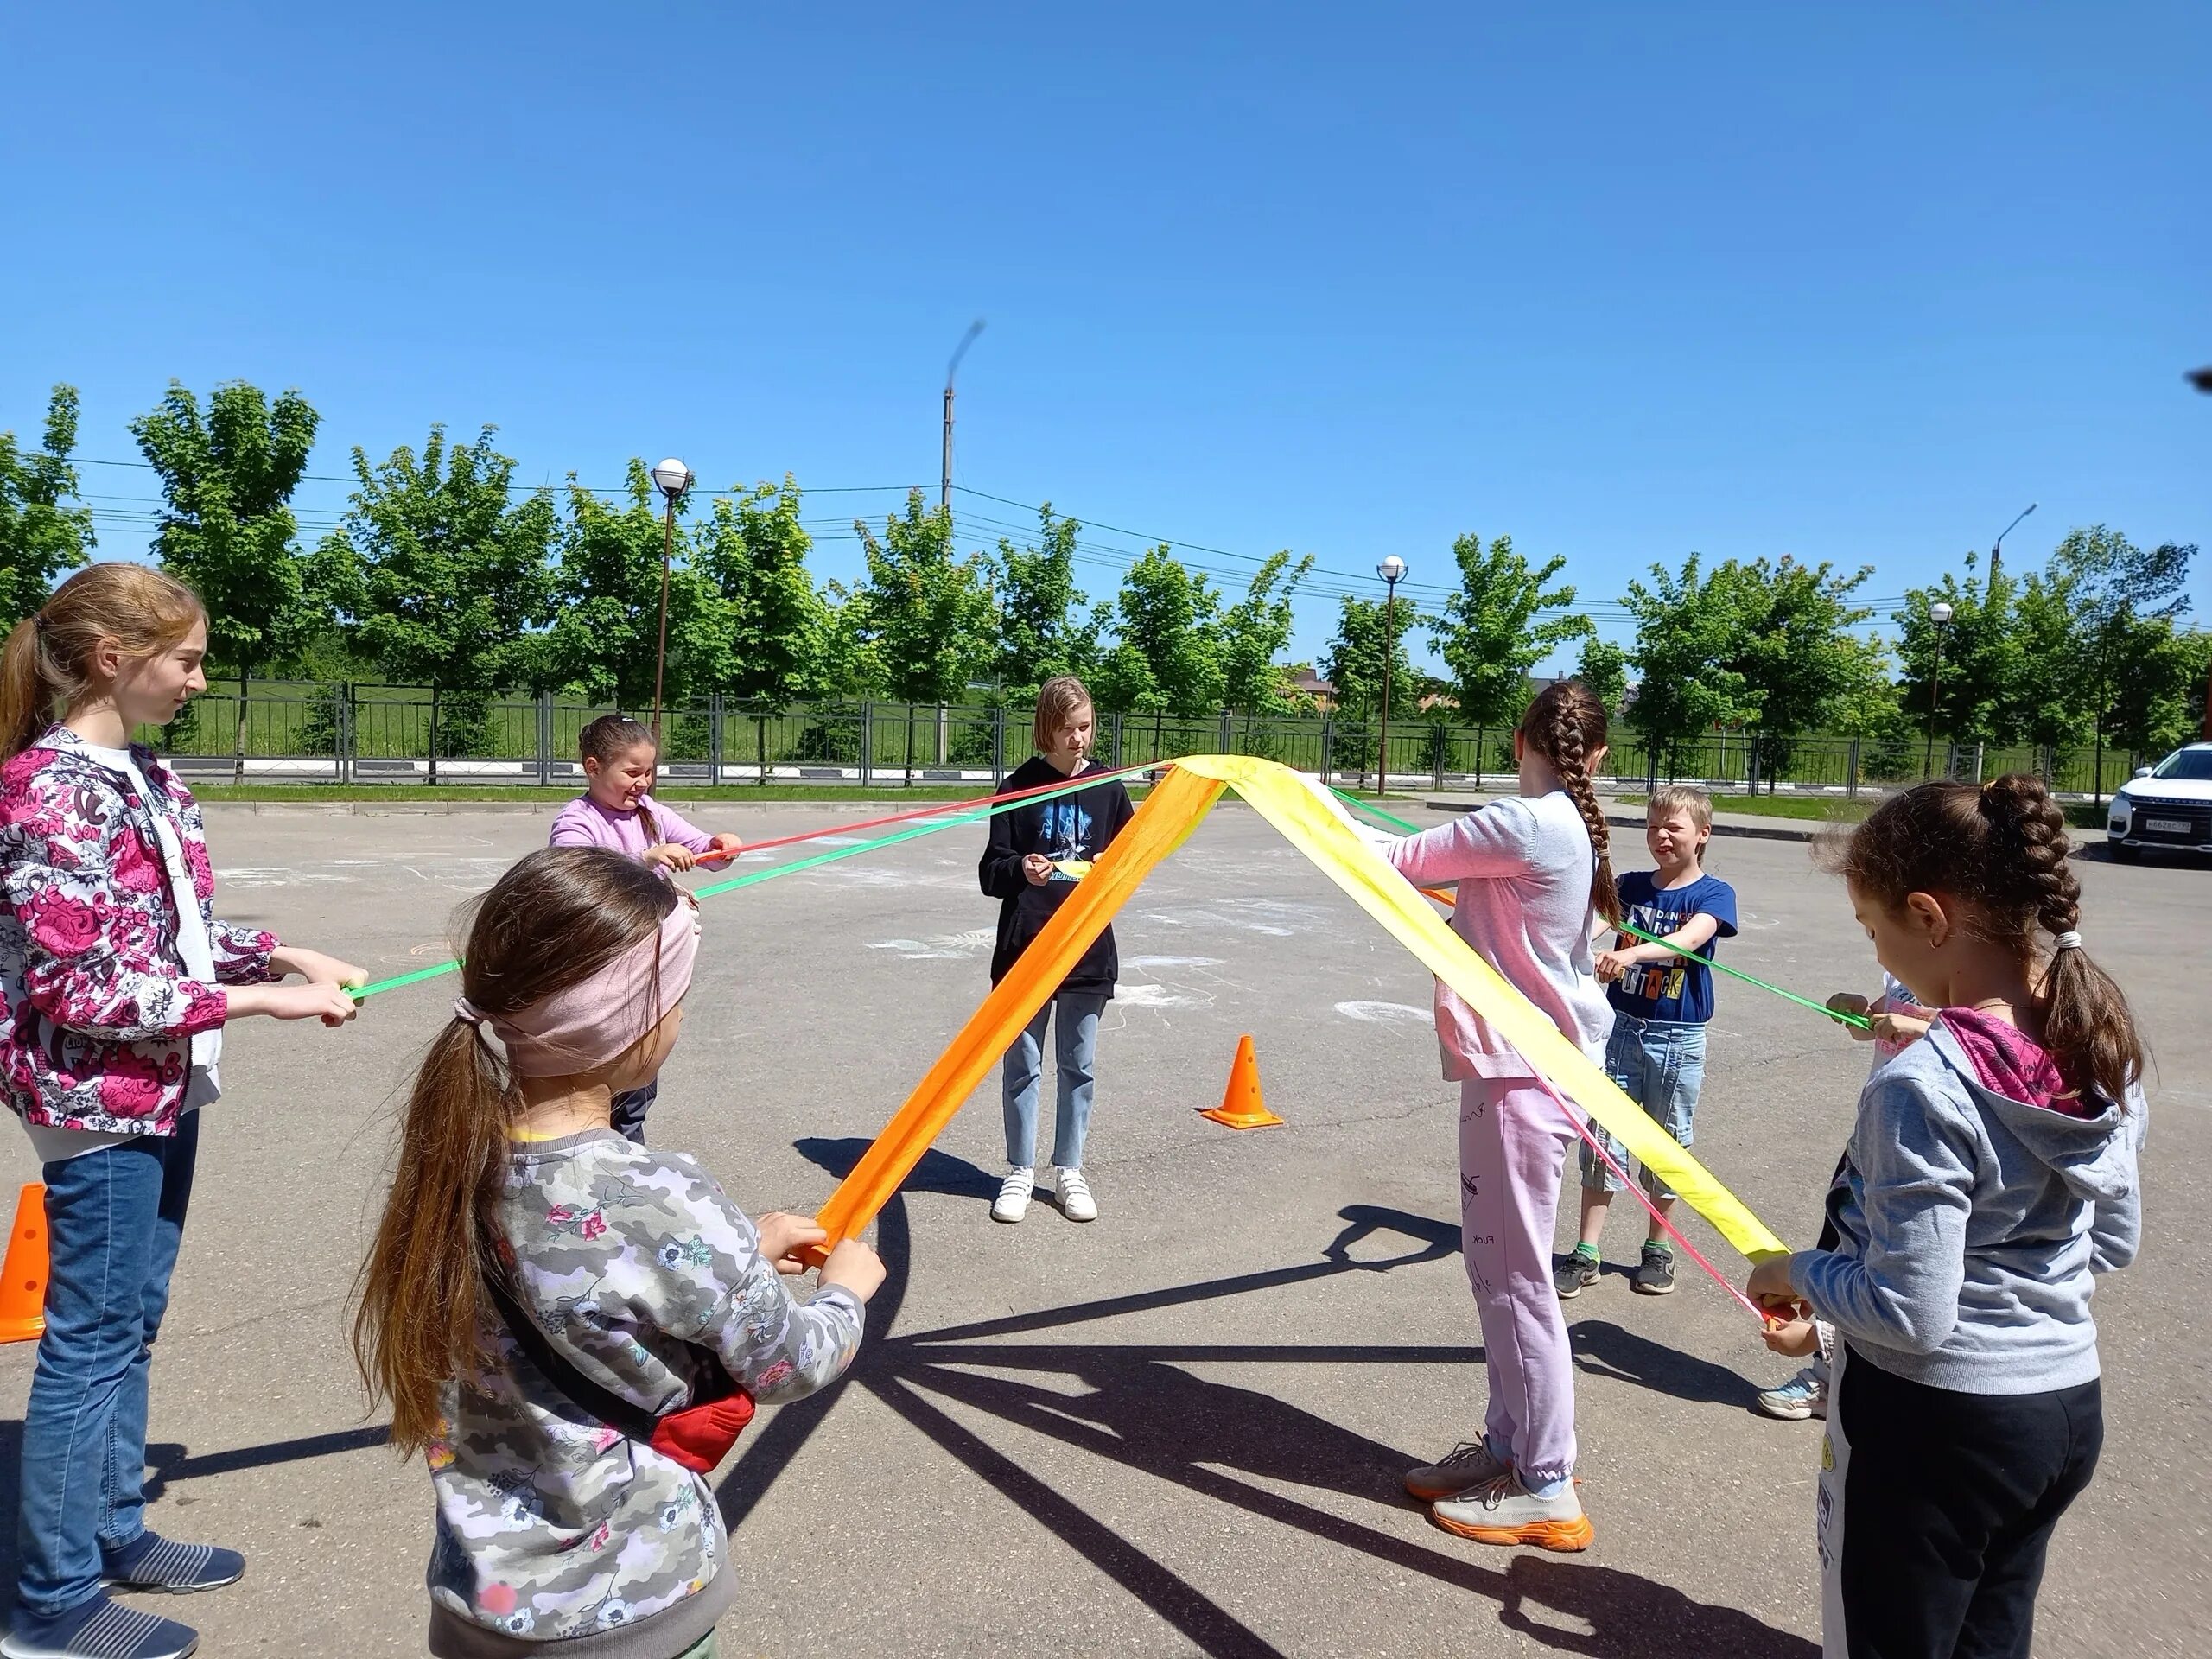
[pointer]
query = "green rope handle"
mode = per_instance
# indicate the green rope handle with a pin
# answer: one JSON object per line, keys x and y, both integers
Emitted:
{"x": 1858, "y": 1020}
{"x": 773, "y": 871}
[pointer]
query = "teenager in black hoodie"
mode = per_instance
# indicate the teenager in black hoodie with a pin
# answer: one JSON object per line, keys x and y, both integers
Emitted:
{"x": 1036, "y": 855}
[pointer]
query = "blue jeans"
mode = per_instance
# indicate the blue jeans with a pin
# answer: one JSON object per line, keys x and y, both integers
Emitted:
{"x": 113, "y": 1220}
{"x": 1075, "y": 1046}
{"x": 628, "y": 1117}
{"x": 1661, "y": 1066}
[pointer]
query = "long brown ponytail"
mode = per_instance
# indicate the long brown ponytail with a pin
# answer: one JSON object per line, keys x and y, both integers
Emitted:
{"x": 2003, "y": 850}
{"x": 553, "y": 920}
{"x": 1566, "y": 725}
{"x": 44, "y": 668}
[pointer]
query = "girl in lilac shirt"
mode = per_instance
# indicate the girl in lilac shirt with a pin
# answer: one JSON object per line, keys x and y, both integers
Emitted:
{"x": 618, "y": 810}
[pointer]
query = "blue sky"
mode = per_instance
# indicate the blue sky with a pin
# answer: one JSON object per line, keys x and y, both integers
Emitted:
{"x": 1624, "y": 281}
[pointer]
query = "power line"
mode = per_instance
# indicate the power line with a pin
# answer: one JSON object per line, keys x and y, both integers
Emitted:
{"x": 148, "y": 512}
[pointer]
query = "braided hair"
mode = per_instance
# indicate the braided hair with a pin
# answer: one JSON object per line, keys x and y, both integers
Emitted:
{"x": 2002, "y": 849}
{"x": 1566, "y": 725}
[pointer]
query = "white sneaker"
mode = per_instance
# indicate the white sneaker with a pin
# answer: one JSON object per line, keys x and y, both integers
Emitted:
{"x": 1013, "y": 1201}
{"x": 1076, "y": 1201}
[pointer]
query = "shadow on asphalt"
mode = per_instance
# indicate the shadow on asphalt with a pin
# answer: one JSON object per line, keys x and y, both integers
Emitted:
{"x": 1134, "y": 1404}
{"x": 1602, "y": 1349}
{"x": 167, "y": 1461}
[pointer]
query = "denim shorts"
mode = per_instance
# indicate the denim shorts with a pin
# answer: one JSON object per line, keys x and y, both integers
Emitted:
{"x": 1661, "y": 1066}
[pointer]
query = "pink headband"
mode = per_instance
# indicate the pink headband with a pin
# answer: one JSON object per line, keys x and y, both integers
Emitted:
{"x": 593, "y": 1021}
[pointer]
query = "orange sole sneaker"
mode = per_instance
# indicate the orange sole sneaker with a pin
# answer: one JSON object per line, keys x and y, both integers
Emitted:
{"x": 1564, "y": 1536}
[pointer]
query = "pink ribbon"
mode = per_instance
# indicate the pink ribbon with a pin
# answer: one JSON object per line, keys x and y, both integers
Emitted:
{"x": 597, "y": 1018}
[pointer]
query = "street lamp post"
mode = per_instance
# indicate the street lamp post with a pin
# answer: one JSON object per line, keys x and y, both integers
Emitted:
{"x": 1997, "y": 551}
{"x": 673, "y": 478}
{"x": 1939, "y": 614}
{"x": 1393, "y": 571}
{"x": 944, "y": 475}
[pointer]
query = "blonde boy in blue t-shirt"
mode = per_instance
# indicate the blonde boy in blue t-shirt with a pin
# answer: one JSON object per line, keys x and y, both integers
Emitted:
{"x": 1661, "y": 1001}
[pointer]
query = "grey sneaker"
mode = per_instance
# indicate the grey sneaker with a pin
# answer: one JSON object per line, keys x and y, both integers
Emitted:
{"x": 1575, "y": 1273}
{"x": 1467, "y": 1466}
{"x": 1505, "y": 1513}
{"x": 1655, "y": 1275}
{"x": 1803, "y": 1395}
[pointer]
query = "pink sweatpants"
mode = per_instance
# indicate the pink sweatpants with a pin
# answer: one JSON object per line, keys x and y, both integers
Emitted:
{"x": 1513, "y": 1144}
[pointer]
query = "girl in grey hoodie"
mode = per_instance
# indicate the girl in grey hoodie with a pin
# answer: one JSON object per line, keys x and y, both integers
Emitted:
{"x": 1990, "y": 1178}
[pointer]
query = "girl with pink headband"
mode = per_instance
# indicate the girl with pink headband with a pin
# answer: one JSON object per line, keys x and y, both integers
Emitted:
{"x": 572, "y": 1328}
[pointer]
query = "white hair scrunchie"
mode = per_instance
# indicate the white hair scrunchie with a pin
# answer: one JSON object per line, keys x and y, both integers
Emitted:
{"x": 2069, "y": 940}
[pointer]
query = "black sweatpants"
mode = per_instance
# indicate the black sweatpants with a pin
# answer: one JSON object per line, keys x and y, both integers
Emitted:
{"x": 1936, "y": 1509}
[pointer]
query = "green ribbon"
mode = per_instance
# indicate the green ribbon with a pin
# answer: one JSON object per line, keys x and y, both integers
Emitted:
{"x": 1859, "y": 1021}
{"x": 773, "y": 871}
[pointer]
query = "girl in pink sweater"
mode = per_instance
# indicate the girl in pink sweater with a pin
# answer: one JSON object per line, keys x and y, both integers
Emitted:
{"x": 1533, "y": 875}
{"x": 617, "y": 811}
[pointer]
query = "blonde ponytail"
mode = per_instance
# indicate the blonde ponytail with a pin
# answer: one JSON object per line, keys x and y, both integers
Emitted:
{"x": 28, "y": 688}
{"x": 46, "y": 669}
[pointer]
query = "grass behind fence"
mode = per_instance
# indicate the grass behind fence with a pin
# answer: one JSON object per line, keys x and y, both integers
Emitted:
{"x": 289, "y": 720}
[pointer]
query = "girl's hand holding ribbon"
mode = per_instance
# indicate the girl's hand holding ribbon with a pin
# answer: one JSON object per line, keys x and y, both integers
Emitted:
{"x": 782, "y": 1237}
{"x": 1769, "y": 1286}
{"x": 327, "y": 974}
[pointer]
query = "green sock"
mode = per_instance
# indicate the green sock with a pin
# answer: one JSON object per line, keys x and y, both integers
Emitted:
{"x": 1587, "y": 1252}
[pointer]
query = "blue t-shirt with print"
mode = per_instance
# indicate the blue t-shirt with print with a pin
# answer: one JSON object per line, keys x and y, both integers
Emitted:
{"x": 1678, "y": 989}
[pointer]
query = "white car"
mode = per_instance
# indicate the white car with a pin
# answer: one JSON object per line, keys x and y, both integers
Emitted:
{"x": 2166, "y": 806}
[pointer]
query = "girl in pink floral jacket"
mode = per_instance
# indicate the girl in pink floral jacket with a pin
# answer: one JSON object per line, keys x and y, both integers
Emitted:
{"x": 116, "y": 981}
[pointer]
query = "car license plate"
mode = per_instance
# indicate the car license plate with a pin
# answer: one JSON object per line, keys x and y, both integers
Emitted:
{"x": 2168, "y": 826}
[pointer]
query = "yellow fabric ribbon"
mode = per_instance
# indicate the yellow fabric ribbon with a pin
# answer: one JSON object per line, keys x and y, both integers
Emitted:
{"x": 1168, "y": 815}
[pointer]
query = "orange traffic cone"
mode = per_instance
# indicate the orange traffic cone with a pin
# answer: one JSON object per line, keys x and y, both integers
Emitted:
{"x": 23, "y": 1280}
{"x": 1241, "y": 1107}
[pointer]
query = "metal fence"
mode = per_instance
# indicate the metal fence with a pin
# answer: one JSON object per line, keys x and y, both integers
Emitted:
{"x": 358, "y": 732}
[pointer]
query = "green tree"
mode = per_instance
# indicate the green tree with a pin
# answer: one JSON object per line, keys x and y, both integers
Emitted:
{"x": 2051, "y": 701}
{"x": 1972, "y": 692}
{"x": 927, "y": 612}
{"x": 1489, "y": 635}
{"x": 445, "y": 576}
{"x": 1354, "y": 659}
{"x": 2115, "y": 587}
{"x": 1689, "y": 628}
{"x": 1354, "y": 664}
{"x": 1044, "y": 630}
{"x": 1253, "y": 632}
{"x": 1166, "y": 659}
{"x": 753, "y": 550}
{"x": 604, "y": 640}
{"x": 1798, "y": 652}
{"x": 847, "y": 663}
{"x": 40, "y": 538}
{"x": 226, "y": 525}
{"x": 2158, "y": 704}
{"x": 1603, "y": 667}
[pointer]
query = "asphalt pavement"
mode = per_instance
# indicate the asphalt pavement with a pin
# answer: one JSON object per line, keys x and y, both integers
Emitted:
{"x": 1179, "y": 1428}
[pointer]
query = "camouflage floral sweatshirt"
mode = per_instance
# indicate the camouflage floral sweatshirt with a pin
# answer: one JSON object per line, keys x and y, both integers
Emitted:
{"x": 551, "y": 1527}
